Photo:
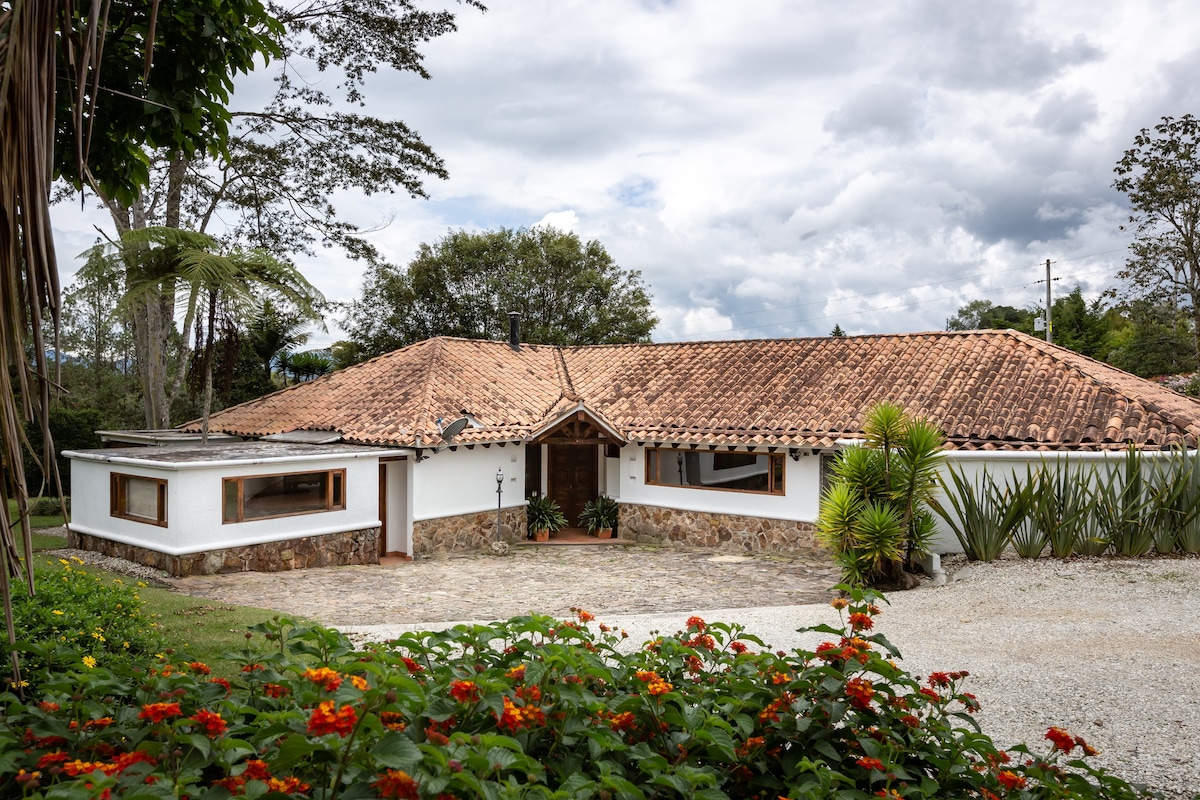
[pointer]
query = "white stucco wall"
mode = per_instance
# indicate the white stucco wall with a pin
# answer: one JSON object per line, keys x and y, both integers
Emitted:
{"x": 194, "y": 502}
{"x": 800, "y": 501}
{"x": 463, "y": 481}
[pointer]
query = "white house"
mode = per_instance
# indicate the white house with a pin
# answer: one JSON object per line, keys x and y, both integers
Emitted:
{"x": 720, "y": 444}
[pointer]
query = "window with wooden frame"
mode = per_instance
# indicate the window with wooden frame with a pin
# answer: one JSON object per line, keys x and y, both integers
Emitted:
{"x": 251, "y": 497}
{"x": 730, "y": 471}
{"x": 138, "y": 498}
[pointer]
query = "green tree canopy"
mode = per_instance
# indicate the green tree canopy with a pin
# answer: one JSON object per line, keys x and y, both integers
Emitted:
{"x": 1160, "y": 175}
{"x": 567, "y": 292}
{"x": 980, "y": 315}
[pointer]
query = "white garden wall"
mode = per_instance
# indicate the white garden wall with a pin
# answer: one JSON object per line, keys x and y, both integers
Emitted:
{"x": 462, "y": 481}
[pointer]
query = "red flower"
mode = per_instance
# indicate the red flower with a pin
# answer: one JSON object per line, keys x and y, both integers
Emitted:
{"x": 393, "y": 720}
{"x": 396, "y": 784}
{"x": 48, "y": 707}
{"x": 222, "y": 682}
{"x": 738, "y": 647}
{"x": 256, "y": 771}
{"x": 870, "y": 763}
{"x": 210, "y": 722}
{"x": 1061, "y": 739}
{"x": 517, "y": 717}
{"x": 412, "y": 666}
{"x": 287, "y": 785}
{"x": 50, "y": 759}
{"x": 1010, "y": 780}
{"x": 199, "y": 668}
{"x": 696, "y": 623}
{"x": 860, "y": 691}
{"x": 325, "y": 720}
{"x": 622, "y": 721}
{"x": 464, "y": 691}
{"x": 911, "y": 721}
{"x": 275, "y": 690}
{"x": 157, "y": 712}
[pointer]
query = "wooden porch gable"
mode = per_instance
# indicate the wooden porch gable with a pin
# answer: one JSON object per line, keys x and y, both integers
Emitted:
{"x": 580, "y": 428}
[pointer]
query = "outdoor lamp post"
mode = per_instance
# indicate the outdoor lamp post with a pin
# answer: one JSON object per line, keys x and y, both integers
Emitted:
{"x": 499, "y": 492}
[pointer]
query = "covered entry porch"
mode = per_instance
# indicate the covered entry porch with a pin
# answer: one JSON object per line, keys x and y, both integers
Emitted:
{"x": 573, "y": 461}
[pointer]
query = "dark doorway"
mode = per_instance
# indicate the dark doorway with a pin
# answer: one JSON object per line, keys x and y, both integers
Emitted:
{"x": 573, "y": 478}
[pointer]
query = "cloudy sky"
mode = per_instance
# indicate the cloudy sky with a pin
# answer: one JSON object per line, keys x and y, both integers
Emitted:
{"x": 777, "y": 168}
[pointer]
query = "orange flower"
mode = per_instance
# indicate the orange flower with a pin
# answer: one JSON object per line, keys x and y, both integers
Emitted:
{"x": 326, "y": 678}
{"x": 860, "y": 691}
{"x": 464, "y": 691}
{"x": 738, "y": 647}
{"x": 517, "y": 673}
{"x": 622, "y": 721}
{"x": 360, "y": 683}
{"x": 1010, "y": 780}
{"x": 393, "y": 720}
{"x": 1061, "y": 739}
{"x": 102, "y": 722}
{"x": 411, "y": 665}
{"x": 210, "y": 722}
{"x": 870, "y": 763}
{"x": 696, "y": 623}
{"x": 256, "y": 770}
{"x": 199, "y": 668}
{"x": 290, "y": 785}
{"x": 325, "y": 720}
{"x": 517, "y": 717}
{"x": 396, "y": 784}
{"x": 275, "y": 690}
{"x": 157, "y": 712}
{"x": 839, "y": 603}
{"x": 861, "y": 622}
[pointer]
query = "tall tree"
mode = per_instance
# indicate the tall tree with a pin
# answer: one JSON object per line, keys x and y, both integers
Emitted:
{"x": 1160, "y": 175}
{"x": 465, "y": 284}
{"x": 211, "y": 280}
{"x": 980, "y": 315}
{"x": 269, "y": 183}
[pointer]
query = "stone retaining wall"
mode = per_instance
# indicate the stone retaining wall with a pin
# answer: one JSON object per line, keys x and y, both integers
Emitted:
{"x": 727, "y": 531}
{"x": 466, "y": 531}
{"x": 330, "y": 550}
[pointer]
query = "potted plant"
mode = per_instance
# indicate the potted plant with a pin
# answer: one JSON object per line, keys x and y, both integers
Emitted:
{"x": 542, "y": 517}
{"x": 600, "y": 516}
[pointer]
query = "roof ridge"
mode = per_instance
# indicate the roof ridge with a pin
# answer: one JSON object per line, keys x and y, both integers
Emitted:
{"x": 436, "y": 348}
{"x": 564, "y": 375}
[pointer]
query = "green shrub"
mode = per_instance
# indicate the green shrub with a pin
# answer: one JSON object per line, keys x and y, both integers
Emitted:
{"x": 74, "y": 613}
{"x": 532, "y": 708}
{"x": 48, "y": 507}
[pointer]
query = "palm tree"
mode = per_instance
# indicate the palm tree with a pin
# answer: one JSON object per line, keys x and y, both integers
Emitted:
{"x": 205, "y": 280}
{"x": 274, "y": 332}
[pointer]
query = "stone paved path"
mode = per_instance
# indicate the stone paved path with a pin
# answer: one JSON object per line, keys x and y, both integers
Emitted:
{"x": 550, "y": 580}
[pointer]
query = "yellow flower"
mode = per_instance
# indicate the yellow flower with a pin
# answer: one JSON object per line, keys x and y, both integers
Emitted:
{"x": 89, "y": 662}
{"x": 77, "y": 559}
{"x": 58, "y": 613}
{"x": 99, "y": 637}
{"x": 125, "y": 645}
{"x": 142, "y": 584}
{"x": 64, "y": 562}
{"x": 21, "y": 684}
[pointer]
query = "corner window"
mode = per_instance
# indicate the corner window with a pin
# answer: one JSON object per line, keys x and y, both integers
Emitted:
{"x": 728, "y": 471}
{"x": 264, "y": 496}
{"x": 137, "y": 498}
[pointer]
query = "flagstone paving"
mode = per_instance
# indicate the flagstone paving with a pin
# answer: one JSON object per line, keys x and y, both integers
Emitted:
{"x": 549, "y": 580}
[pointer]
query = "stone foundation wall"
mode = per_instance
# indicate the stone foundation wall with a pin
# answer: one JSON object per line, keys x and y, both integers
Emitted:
{"x": 726, "y": 531}
{"x": 466, "y": 531}
{"x": 330, "y": 550}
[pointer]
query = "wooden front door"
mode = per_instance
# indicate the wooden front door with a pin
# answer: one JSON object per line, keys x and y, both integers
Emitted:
{"x": 572, "y": 479}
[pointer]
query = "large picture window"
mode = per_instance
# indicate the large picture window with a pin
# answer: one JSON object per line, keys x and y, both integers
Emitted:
{"x": 138, "y": 498}
{"x": 729, "y": 471}
{"x": 265, "y": 496}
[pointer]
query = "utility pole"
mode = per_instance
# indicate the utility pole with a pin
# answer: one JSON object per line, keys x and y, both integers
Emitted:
{"x": 1049, "y": 324}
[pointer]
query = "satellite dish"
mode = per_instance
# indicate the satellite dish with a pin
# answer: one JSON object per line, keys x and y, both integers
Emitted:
{"x": 453, "y": 429}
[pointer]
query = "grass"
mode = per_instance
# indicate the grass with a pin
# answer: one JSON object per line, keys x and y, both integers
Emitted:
{"x": 41, "y": 541}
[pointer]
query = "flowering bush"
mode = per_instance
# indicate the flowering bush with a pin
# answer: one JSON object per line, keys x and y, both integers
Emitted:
{"x": 531, "y": 707}
{"x": 76, "y": 613}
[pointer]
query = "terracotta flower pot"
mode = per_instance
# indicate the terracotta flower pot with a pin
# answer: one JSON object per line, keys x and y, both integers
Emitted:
{"x": 604, "y": 533}
{"x": 542, "y": 535}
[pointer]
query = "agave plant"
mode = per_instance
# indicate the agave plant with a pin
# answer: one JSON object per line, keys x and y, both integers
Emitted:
{"x": 984, "y": 515}
{"x": 1059, "y": 506}
{"x": 1124, "y": 506}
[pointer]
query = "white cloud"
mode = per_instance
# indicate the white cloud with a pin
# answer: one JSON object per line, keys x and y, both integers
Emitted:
{"x": 776, "y": 168}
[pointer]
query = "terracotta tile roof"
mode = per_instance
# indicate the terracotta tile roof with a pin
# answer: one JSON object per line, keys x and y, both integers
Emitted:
{"x": 985, "y": 389}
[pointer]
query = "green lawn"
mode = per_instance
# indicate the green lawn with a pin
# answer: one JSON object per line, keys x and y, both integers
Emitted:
{"x": 40, "y": 541}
